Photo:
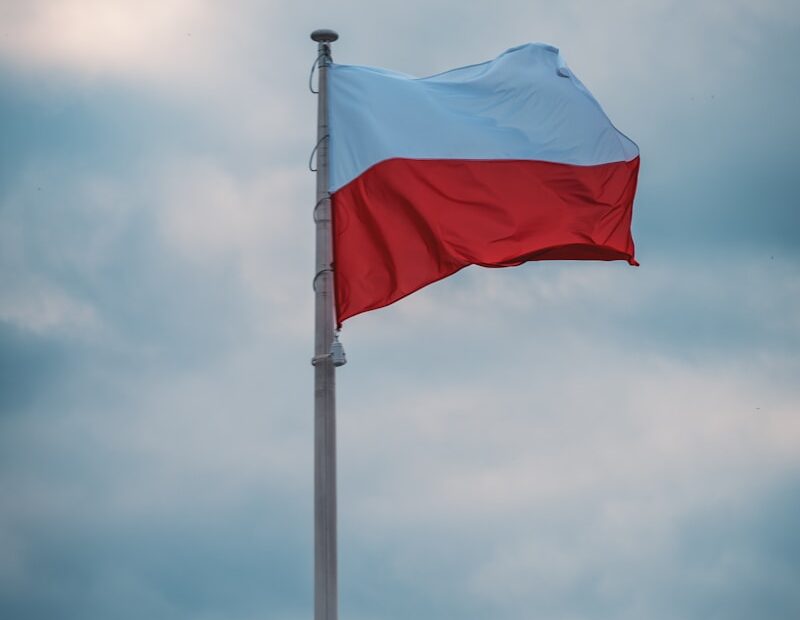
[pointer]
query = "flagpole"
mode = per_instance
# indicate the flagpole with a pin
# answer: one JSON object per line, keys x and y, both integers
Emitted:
{"x": 325, "y": 361}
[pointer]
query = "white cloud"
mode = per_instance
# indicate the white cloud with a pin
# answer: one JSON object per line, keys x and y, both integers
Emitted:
{"x": 96, "y": 36}
{"x": 586, "y": 470}
{"x": 261, "y": 222}
{"x": 605, "y": 427}
{"x": 32, "y": 298}
{"x": 41, "y": 307}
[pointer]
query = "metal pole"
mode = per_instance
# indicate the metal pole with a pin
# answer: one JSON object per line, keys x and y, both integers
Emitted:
{"x": 325, "y": 579}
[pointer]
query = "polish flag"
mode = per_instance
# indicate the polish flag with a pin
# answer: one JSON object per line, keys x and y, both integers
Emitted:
{"x": 493, "y": 164}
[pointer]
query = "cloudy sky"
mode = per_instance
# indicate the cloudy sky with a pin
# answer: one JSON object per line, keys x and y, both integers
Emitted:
{"x": 557, "y": 441}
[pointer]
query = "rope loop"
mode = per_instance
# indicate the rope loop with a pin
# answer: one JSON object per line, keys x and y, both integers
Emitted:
{"x": 327, "y": 196}
{"x": 311, "y": 74}
{"x": 314, "y": 152}
{"x": 316, "y": 277}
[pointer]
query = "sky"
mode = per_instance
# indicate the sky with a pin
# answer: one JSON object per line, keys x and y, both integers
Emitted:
{"x": 560, "y": 441}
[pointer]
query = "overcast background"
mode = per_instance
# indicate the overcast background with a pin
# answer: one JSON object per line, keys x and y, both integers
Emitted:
{"x": 555, "y": 441}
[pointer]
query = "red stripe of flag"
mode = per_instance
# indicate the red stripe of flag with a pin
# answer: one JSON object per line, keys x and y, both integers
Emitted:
{"x": 406, "y": 223}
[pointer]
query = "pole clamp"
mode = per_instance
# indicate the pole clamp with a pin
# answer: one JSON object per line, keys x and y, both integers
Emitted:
{"x": 336, "y": 354}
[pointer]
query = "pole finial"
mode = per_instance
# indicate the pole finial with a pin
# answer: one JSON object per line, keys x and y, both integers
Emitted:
{"x": 324, "y": 35}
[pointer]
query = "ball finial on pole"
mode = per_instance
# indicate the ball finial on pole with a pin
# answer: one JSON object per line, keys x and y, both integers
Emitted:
{"x": 324, "y": 35}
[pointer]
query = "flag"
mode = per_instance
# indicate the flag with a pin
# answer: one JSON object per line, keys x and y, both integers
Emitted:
{"x": 493, "y": 164}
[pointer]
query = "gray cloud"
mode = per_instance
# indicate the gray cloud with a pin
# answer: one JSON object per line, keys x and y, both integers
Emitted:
{"x": 564, "y": 440}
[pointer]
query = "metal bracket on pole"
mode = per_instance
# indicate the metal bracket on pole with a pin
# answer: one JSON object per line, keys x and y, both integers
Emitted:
{"x": 336, "y": 354}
